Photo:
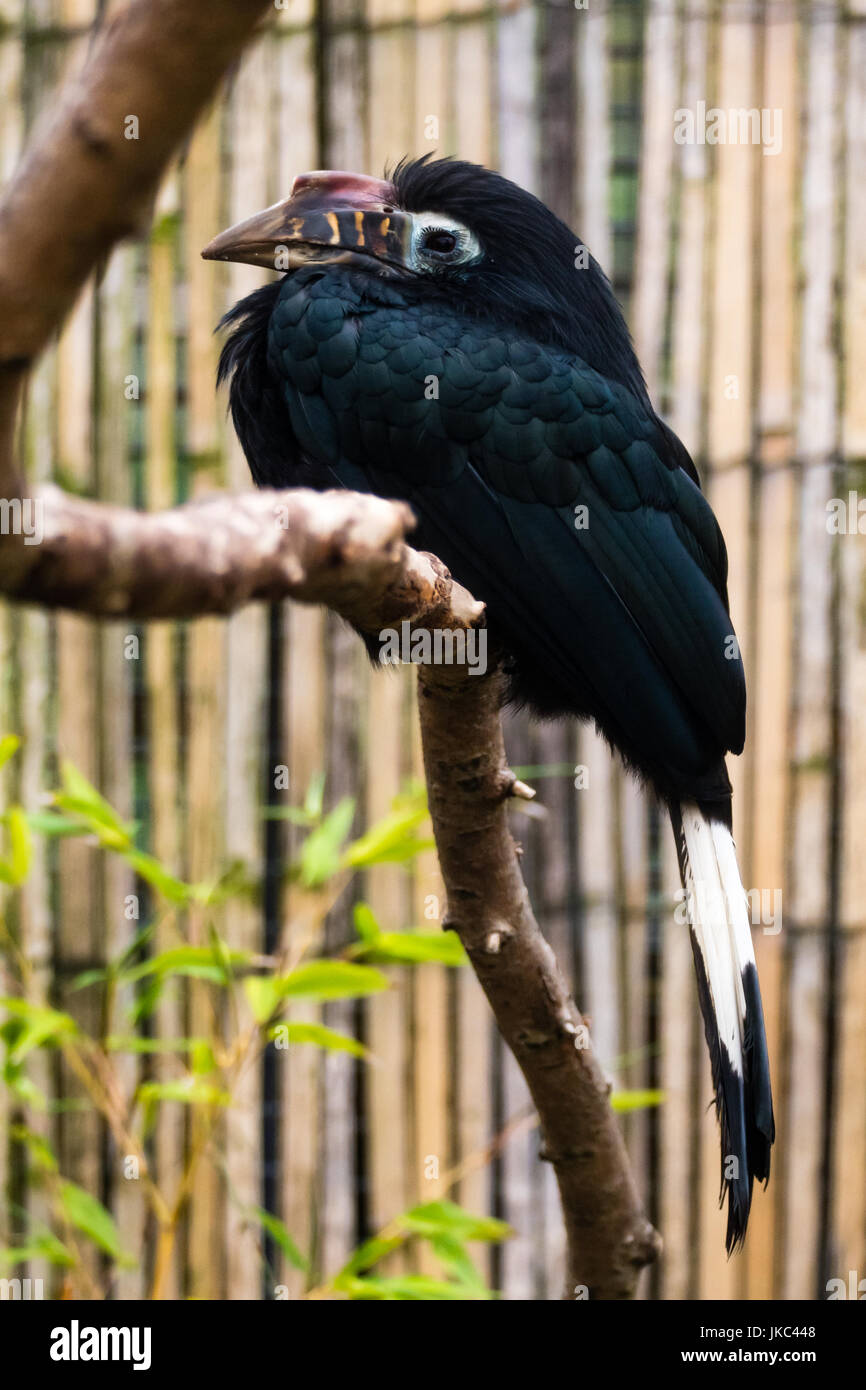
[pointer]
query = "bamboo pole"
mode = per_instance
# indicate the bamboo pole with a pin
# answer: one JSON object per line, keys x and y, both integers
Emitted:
{"x": 809, "y": 899}
{"x": 770, "y": 679}
{"x": 848, "y": 1218}
{"x": 244, "y": 732}
{"x": 390, "y": 61}
{"x": 729, "y": 397}
{"x": 198, "y": 1260}
{"x": 317, "y": 1112}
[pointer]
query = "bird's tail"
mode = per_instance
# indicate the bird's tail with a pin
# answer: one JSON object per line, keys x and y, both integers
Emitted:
{"x": 731, "y": 1006}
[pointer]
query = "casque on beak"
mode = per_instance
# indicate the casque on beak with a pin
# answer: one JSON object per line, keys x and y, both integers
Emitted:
{"x": 329, "y": 215}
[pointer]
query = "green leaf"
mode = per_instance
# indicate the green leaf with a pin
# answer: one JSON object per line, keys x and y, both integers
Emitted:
{"x": 49, "y": 823}
{"x": 314, "y": 801}
{"x": 410, "y": 1287}
{"x": 20, "y": 843}
{"x": 147, "y": 867}
{"x": 50, "y": 1248}
{"x": 366, "y": 924}
{"x": 90, "y": 1217}
{"x": 38, "y": 1147}
{"x": 235, "y": 881}
{"x": 147, "y": 1000}
{"x": 624, "y": 1101}
{"x": 189, "y": 1090}
{"x": 43, "y": 1247}
{"x": 319, "y": 1036}
{"x": 402, "y": 948}
{"x": 456, "y": 1261}
{"x": 412, "y": 948}
{"x": 81, "y": 798}
{"x": 88, "y": 978}
{"x": 446, "y": 1218}
{"x": 331, "y": 979}
{"x": 392, "y": 839}
{"x": 15, "y": 869}
{"x": 307, "y": 815}
{"x": 200, "y": 962}
{"x": 9, "y": 745}
{"x": 19, "y": 1083}
{"x": 263, "y": 996}
{"x": 369, "y": 1254}
{"x": 202, "y": 1060}
{"x": 277, "y": 1231}
{"x": 32, "y": 1025}
{"x": 141, "y": 938}
{"x": 320, "y": 852}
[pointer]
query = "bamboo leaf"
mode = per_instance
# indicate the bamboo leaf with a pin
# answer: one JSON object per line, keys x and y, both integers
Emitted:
{"x": 90, "y": 1217}
{"x": 412, "y": 948}
{"x": 43, "y": 1247}
{"x": 319, "y": 1036}
{"x": 201, "y": 962}
{"x": 32, "y": 1025}
{"x": 320, "y": 853}
{"x": 9, "y": 745}
{"x": 392, "y": 839}
{"x": 331, "y": 979}
{"x": 411, "y": 1287}
{"x": 189, "y": 1090}
{"x": 366, "y": 924}
{"x": 446, "y": 1218}
{"x": 278, "y": 1233}
{"x": 263, "y": 996}
{"x": 150, "y": 869}
{"x": 82, "y": 798}
{"x": 37, "y": 1146}
{"x": 52, "y": 825}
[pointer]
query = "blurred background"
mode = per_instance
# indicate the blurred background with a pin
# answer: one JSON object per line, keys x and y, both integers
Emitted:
{"x": 743, "y": 275}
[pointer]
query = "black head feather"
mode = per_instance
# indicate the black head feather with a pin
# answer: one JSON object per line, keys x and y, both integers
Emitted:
{"x": 532, "y": 269}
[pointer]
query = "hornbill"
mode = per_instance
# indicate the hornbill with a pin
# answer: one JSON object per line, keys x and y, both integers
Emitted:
{"x": 441, "y": 337}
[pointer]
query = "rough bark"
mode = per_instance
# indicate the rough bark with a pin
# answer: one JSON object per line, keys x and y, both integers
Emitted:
{"x": 342, "y": 549}
{"x": 83, "y": 184}
{"x": 468, "y": 783}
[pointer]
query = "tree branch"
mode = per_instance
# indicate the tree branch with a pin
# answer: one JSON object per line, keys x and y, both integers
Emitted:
{"x": 84, "y": 184}
{"x": 468, "y": 783}
{"x": 342, "y": 549}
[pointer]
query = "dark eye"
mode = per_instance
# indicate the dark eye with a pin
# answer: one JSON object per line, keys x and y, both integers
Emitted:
{"x": 439, "y": 242}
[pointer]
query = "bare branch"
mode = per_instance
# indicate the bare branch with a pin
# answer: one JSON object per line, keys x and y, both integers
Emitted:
{"x": 468, "y": 783}
{"x": 342, "y": 549}
{"x": 84, "y": 184}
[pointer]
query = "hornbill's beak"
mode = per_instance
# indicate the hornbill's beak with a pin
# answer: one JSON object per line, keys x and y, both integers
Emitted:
{"x": 329, "y": 216}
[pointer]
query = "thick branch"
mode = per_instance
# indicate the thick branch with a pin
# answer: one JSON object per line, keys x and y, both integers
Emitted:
{"x": 609, "y": 1237}
{"x": 342, "y": 549}
{"x": 85, "y": 184}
